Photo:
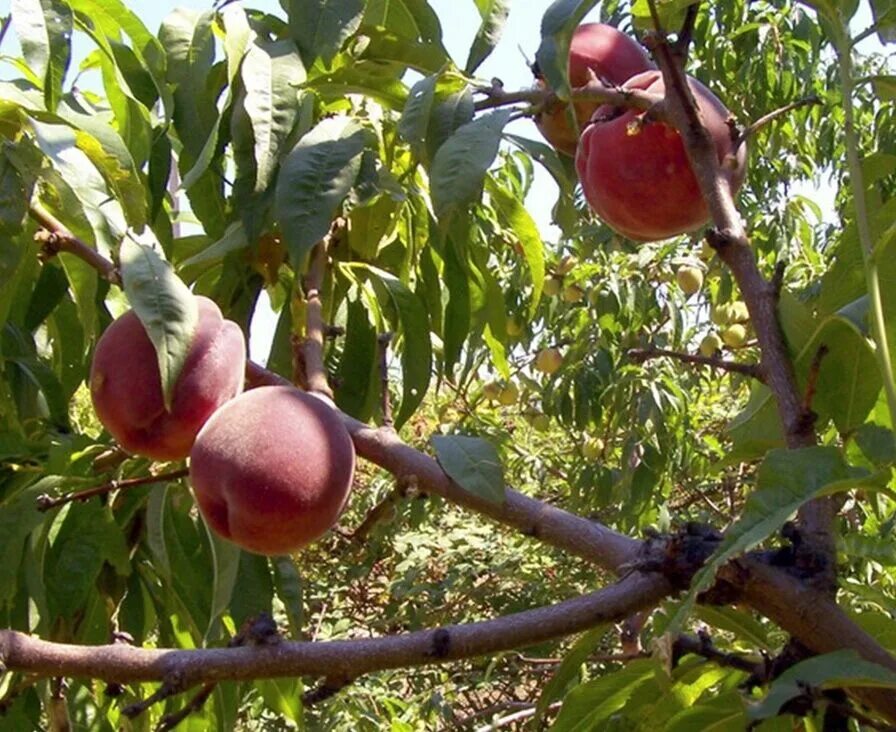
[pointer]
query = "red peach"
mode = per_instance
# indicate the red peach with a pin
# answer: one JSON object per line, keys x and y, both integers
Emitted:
{"x": 272, "y": 469}
{"x": 127, "y": 390}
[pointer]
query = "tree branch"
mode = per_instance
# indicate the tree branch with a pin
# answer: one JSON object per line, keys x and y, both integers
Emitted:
{"x": 181, "y": 669}
{"x": 767, "y": 119}
{"x": 55, "y": 238}
{"x": 594, "y": 91}
{"x": 641, "y": 355}
{"x": 730, "y": 240}
{"x": 45, "y": 502}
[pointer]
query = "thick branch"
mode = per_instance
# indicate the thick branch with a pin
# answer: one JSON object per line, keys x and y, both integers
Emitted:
{"x": 340, "y": 659}
{"x": 733, "y": 246}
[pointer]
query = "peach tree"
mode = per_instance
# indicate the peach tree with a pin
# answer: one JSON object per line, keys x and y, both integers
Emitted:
{"x": 602, "y": 482}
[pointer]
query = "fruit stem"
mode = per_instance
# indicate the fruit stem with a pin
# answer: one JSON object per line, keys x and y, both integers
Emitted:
{"x": 843, "y": 45}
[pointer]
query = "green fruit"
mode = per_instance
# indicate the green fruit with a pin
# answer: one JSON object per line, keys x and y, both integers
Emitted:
{"x": 492, "y": 391}
{"x": 548, "y": 360}
{"x": 573, "y": 293}
{"x": 509, "y": 394}
{"x": 706, "y": 251}
{"x": 734, "y": 336}
{"x": 514, "y": 328}
{"x": 552, "y": 286}
{"x": 566, "y": 265}
{"x": 710, "y": 345}
{"x": 541, "y": 422}
{"x": 592, "y": 448}
{"x": 738, "y": 312}
{"x": 720, "y": 315}
{"x": 690, "y": 279}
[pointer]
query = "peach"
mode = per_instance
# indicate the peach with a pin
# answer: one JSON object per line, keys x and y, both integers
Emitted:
{"x": 127, "y": 389}
{"x": 612, "y": 56}
{"x": 636, "y": 174}
{"x": 272, "y": 469}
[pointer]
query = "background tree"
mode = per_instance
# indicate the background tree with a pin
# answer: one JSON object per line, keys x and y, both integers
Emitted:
{"x": 337, "y": 159}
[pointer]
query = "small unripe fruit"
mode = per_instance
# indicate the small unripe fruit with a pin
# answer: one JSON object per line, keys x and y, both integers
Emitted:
{"x": 272, "y": 469}
{"x": 707, "y": 251}
{"x": 549, "y": 360}
{"x": 735, "y": 335}
{"x": 492, "y": 390}
{"x": 566, "y": 265}
{"x": 509, "y": 394}
{"x": 738, "y": 312}
{"x": 573, "y": 293}
{"x": 720, "y": 314}
{"x": 514, "y": 328}
{"x": 552, "y": 286}
{"x": 126, "y": 387}
{"x": 593, "y": 448}
{"x": 690, "y": 279}
{"x": 541, "y": 422}
{"x": 710, "y": 345}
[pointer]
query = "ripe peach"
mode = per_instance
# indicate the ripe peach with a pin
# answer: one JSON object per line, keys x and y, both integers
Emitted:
{"x": 127, "y": 389}
{"x": 612, "y": 56}
{"x": 636, "y": 174}
{"x": 272, "y": 469}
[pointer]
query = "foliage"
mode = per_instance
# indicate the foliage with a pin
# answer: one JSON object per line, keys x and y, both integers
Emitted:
{"x": 354, "y": 111}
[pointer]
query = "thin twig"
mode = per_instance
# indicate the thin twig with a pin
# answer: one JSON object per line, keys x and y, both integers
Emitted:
{"x": 750, "y": 130}
{"x": 640, "y": 355}
{"x": 382, "y": 342}
{"x": 703, "y": 646}
{"x": 327, "y": 689}
{"x": 45, "y": 502}
{"x": 686, "y": 34}
{"x": 170, "y": 721}
{"x": 814, "y": 373}
{"x": 55, "y": 238}
{"x": 382, "y": 511}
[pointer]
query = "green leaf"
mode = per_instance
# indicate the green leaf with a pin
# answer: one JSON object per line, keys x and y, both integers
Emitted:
{"x": 314, "y": 180}
{"x": 226, "y": 564}
{"x": 494, "y": 16}
{"x": 473, "y": 464}
{"x": 515, "y": 216}
{"x": 567, "y": 671}
{"x": 884, "y": 87}
{"x": 557, "y": 25}
{"x": 44, "y": 28}
{"x": 460, "y": 165}
{"x": 416, "y": 356}
{"x": 320, "y": 27}
{"x": 14, "y": 198}
{"x": 234, "y": 240}
{"x": 271, "y": 74}
{"x": 288, "y": 583}
{"x": 785, "y": 481}
{"x": 884, "y": 13}
{"x": 415, "y": 115}
{"x": 721, "y": 714}
{"x": 409, "y": 18}
{"x": 165, "y": 306}
{"x": 841, "y": 669}
{"x": 283, "y": 697}
{"x": 18, "y": 518}
{"x": 382, "y": 47}
{"x": 589, "y": 706}
{"x": 87, "y": 537}
{"x": 671, "y": 13}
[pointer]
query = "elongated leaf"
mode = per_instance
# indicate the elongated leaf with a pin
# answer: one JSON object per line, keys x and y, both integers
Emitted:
{"x": 416, "y": 357}
{"x": 164, "y": 305}
{"x": 14, "y": 198}
{"x": 786, "y": 480}
{"x": 460, "y": 165}
{"x": 415, "y": 116}
{"x": 44, "y": 28}
{"x": 320, "y": 27}
{"x": 233, "y": 240}
{"x": 587, "y": 707}
{"x": 271, "y": 74}
{"x": 517, "y": 219}
{"x": 473, "y": 464}
{"x": 568, "y": 670}
{"x": 728, "y": 711}
{"x": 409, "y": 18}
{"x": 494, "y": 16}
{"x": 557, "y": 25}
{"x": 314, "y": 179}
{"x": 288, "y": 583}
{"x": 226, "y": 564}
{"x": 841, "y": 669}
